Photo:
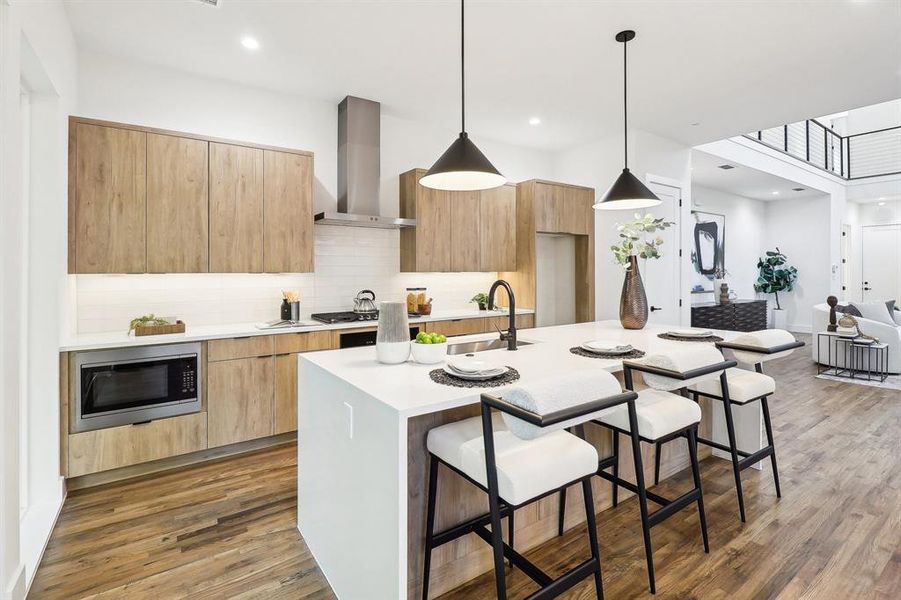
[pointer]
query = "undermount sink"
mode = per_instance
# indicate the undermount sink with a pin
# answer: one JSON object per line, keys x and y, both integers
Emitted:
{"x": 482, "y": 346}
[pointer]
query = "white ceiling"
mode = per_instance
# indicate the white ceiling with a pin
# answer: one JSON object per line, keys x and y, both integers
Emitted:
{"x": 743, "y": 181}
{"x": 730, "y": 66}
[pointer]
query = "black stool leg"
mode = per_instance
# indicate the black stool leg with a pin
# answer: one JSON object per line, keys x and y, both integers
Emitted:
{"x": 769, "y": 440}
{"x": 696, "y": 475}
{"x": 642, "y": 496}
{"x": 736, "y": 471}
{"x": 593, "y": 535}
{"x": 561, "y": 512}
{"x": 430, "y": 525}
{"x": 510, "y": 533}
{"x": 657, "y": 447}
{"x": 615, "y": 467}
{"x": 497, "y": 536}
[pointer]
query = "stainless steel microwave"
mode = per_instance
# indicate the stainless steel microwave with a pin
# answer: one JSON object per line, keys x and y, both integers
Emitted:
{"x": 135, "y": 385}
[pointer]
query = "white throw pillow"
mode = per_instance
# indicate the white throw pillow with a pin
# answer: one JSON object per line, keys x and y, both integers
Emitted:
{"x": 875, "y": 311}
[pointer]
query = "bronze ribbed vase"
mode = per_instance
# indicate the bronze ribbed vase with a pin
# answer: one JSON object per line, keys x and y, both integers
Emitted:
{"x": 633, "y": 305}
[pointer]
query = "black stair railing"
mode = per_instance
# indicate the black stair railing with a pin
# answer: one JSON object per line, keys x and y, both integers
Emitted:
{"x": 856, "y": 156}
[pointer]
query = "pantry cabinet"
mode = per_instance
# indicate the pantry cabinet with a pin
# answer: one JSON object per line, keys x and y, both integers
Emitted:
{"x": 148, "y": 200}
{"x": 456, "y": 231}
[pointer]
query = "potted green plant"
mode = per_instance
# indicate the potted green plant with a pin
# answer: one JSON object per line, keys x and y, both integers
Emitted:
{"x": 481, "y": 299}
{"x": 634, "y": 243}
{"x": 775, "y": 275}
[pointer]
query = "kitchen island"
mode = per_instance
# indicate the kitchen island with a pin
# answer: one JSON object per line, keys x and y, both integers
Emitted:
{"x": 362, "y": 460}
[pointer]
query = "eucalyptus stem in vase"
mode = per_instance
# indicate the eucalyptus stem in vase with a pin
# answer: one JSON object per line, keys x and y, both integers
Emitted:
{"x": 635, "y": 242}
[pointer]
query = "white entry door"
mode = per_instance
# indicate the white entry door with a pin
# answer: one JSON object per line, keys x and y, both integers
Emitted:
{"x": 881, "y": 269}
{"x": 661, "y": 276}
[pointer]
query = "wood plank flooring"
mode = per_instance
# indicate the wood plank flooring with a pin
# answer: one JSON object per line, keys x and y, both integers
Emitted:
{"x": 227, "y": 529}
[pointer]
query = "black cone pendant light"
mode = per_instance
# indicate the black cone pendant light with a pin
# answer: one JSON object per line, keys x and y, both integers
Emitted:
{"x": 627, "y": 192}
{"x": 462, "y": 167}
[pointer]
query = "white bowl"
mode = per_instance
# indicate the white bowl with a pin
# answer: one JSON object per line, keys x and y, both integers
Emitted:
{"x": 429, "y": 354}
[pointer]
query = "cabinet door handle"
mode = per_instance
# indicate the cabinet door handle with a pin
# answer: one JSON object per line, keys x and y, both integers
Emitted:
{"x": 655, "y": 308}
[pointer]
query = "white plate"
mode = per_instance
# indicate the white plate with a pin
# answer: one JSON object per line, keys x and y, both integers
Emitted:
{"x": 607, "y": 347}
{"x": 477, "y": 376}
{"x": 472, "y": 365}
{"x": 690, "y": 333}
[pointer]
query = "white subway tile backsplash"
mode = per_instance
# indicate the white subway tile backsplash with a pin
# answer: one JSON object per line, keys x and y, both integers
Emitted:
{"x": 347, "y": 260}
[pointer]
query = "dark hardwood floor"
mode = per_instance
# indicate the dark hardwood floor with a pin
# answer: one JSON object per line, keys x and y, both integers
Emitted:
{"x": 226, "y": 529}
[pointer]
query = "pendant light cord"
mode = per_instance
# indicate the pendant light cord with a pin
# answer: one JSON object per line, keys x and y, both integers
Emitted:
{"x": 462, "y": 69}
{"x": 625, "y": 110}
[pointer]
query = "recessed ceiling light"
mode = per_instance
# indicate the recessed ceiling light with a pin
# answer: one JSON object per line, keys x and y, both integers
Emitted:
{"x": 250, "y": 43}
{"x": 882, "y": 204}
{"x": 775, "y": 192}
{"x": 534, "y": 121}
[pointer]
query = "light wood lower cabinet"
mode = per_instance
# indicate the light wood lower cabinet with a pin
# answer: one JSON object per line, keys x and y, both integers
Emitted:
{"x": 503, "y": 322}
{"x": 104, "y": 449}
{"x": 285, "y": 393}
{"x": 240, "y": 397}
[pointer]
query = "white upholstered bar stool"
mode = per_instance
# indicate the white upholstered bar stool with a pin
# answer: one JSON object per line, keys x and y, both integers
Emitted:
{"x": 519, "y": 455}
{"x": 742, "y": 386}
{"x": 661, "y": 415}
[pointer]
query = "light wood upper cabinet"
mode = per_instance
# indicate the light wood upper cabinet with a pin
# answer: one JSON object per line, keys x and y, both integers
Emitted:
{"x": 456, "y": 231}
{"x": 110, "y": 200}
{"x": 287, "y": 212}
{"x": 240, "y": 400}
{"x": 464, "y": 231}
{"x": 178, "y": 223}
{"x": 577, "y": 216}
{"x": 236, "y": 209}
{"x": 497, "y": 232}
{"x": 148, "y": 200}
{"x": 548, "y": 202}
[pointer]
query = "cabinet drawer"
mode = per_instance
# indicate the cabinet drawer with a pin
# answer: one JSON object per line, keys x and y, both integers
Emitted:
{"x": 502, "y": 322}
{"x": 303, "y": 342}
{"x": 243, "y": 347}
{"x": 104, "y": 449}
{"x": 458, "y": 326}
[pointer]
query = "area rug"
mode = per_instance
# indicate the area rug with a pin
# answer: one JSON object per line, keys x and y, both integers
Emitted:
{"x": 892, "y": 382}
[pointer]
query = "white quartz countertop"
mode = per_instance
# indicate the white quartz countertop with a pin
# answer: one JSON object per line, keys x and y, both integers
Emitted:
{"x": 408, "y": 389}
{"x": 97, "y": 341}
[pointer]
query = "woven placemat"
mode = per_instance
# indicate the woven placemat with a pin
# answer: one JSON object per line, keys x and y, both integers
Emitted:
{"x": 675, "y": 338}
{"x": 440, "y": 376}
{"x": 634, "y": 353}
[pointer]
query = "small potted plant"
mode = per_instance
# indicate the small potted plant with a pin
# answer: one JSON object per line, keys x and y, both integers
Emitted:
{"x": 775, "y": 275}
{"x": 481, "y": 299}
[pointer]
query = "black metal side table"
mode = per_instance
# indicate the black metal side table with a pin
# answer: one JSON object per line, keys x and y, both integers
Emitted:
{"x": 863, "y": 357}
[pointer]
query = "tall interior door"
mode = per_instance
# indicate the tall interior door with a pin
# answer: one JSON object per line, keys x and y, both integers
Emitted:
{"x": 661, "y": 276}
{"x": 881, "y": 269}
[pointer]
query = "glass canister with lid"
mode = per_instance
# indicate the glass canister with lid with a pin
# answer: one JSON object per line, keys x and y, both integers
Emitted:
{"x": 416, "y": 297}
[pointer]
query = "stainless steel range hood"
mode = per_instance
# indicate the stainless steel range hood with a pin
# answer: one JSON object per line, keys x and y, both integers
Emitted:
{"x": 359, "y": 164}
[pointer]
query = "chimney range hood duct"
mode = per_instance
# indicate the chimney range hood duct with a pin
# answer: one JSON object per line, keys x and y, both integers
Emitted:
{"x": 359, "y": 166}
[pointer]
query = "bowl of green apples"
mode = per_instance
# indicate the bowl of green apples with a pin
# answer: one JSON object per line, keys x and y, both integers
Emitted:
{"x": 429, "y": 348}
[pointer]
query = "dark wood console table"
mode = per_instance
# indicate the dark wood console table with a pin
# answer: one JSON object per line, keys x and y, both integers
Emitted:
{"x": 738, "y": 315}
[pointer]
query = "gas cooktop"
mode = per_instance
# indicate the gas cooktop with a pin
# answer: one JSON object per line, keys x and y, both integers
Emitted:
{"x": 345, "y": 317}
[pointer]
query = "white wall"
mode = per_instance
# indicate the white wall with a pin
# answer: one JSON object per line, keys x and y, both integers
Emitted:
{"x": 800, "y": 229}
{"x": 37, "y": 48}
{"x": 597, "y": 165}
{"x": 871, "y": 118}
{"x": 346, "y": 260}
{"x": 745, "y": 225}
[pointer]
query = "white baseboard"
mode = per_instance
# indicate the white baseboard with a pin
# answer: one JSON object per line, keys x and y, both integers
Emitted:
{"x": 36, "y": 528}
{"x": 800, "y": 328}
{"x": 16, "y": 590}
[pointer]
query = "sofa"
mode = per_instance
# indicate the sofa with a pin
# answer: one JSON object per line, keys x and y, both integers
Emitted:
{"x": 889, "y": 334}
